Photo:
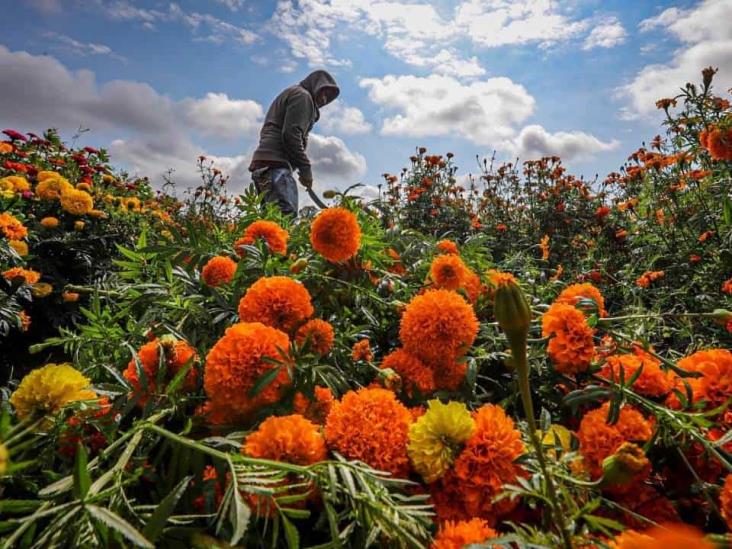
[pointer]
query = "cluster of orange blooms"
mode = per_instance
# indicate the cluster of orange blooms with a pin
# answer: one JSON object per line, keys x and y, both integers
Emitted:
{"x": 645, "y": 280}
{"x": 718, "y": 142}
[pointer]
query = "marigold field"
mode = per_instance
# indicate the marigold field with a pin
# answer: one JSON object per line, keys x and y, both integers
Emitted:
{"x": 532, "y": 360}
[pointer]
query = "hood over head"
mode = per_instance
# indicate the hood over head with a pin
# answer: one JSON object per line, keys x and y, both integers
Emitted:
{"x": 320, "y": 80}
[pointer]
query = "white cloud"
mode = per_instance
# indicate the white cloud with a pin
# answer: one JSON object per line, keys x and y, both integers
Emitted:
{"x": 418, "y": 34}
{"x": 233, "y": 5}
{"x": 218, "y": 115}
{"x": 706, "y": 37}
{"x": 333, "y": 162}
{"x": 83, "y": 48}
{"x": 204, "y": 26}
{"x": 484, "y": 112}
{"x": 608, "y": 34}
{"x": 534, "y": 142}
{"x": 503, "y": 22}
{"x": 337, "y": 117}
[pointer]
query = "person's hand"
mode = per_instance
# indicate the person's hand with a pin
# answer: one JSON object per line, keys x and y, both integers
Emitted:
{"x": 305, "y": 181}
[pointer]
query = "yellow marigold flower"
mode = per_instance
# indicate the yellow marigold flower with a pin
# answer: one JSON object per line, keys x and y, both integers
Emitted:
{"x": 50, "y": 388}
{"x": 77, "y": 202}
{"x": 99, "y": 214}
{"x": 6, "y": 193}
{"x": 106, "y": 178}
{"x": 4, "y": 458}
{"x": 49, "y": 222}
{"x": 20, "y": 247}
{"x": 131, "y": 204}
{"x": 52, "y": 188}
{"x": 16, "y": 183}
{"x": 436, "y": 437}
{"x": 5, "y": 148}
{"x": 79, "y": 225}
{"x": 41, "y": 289}
{"x": 43, "y": 175}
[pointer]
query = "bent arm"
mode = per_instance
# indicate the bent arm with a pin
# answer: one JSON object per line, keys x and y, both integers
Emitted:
{"x": 298, "y": 114}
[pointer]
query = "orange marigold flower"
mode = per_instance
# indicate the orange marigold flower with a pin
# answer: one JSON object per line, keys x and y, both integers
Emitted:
{"x": 473, "y": 286}
{"x": 70, "y": 297}
{"x": 571, "y": 347}
{"x": 316, "y": 410}
{"x": 646, "y": 278}
{"x": 25, "y": 321}
{"x": 237, "y": 361}
{"x": 706, "y": 235}
{"x": 318, "y": 333}
{"x": 218, "y": 270}
{"x": 486, "y": 464}
{"x": 49, "y": 222}
{"x": 664, "y": 536}
{"x": 575, "y": 294}
{"x": 598, "y": 439}
{"x": 177, "y": 353}
{"x": 373, "y": 426}
{"x": 28, "y": 276}
{"x": 362, "y": 351}
{"x": 727, "y": 286}
{"x": 725, "y": 501}
{"x": 449, "y": 374}
{"x": 415, "y": 374}
{"x": 11, "y": 227}
{"x": 274, "y": 236}
{"x": 456, "y": 535}
{"x": 652, "y": 382}
{"x": 498, "y": 278}
{"x": 447, "y": 247}
{"x": 277, "y": 301}
{"x": 718, "y": 142}
{"x": 544, "y": 246}
{"x": 290, "y": 439}
{"x": 335, "y": 234}
{"x": 714, "y": 387}
{"x": 438, "y": 325}
{"x": 448, "y": 272}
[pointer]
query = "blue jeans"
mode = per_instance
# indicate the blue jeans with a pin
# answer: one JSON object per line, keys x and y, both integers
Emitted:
{"x": 278, "y": 186}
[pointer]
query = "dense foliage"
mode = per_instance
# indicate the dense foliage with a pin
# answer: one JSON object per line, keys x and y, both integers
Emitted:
{"x": 530, "y": 358}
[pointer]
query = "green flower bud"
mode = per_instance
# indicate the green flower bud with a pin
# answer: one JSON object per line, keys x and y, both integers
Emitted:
{"x": 329, "y": 193}
{"x": 721, "y": 316}
{"x": 512, "y": 312}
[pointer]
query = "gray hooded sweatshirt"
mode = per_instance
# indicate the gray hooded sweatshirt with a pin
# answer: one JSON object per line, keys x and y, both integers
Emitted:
{"x": 289, "y": 119}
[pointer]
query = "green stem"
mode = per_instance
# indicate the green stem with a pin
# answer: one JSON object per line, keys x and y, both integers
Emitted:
{"x": 522, "y": 367}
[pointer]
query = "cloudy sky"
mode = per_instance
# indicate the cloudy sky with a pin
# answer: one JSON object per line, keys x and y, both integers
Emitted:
{"x": 159, "y": 82}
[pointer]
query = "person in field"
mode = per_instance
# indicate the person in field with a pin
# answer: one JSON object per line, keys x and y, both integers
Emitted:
{"x": 283, "y": 140}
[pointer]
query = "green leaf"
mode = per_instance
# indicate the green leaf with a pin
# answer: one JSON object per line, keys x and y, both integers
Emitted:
{"x": 264, "y": 380}
{"x": 727, "y": 211}
{"x": 239, "y": 514}
{"x": 291, "y": 534}
{"x": 156, "y": 522}
{"x": 82, "y": 480}
{"x": 117, "y": 523}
